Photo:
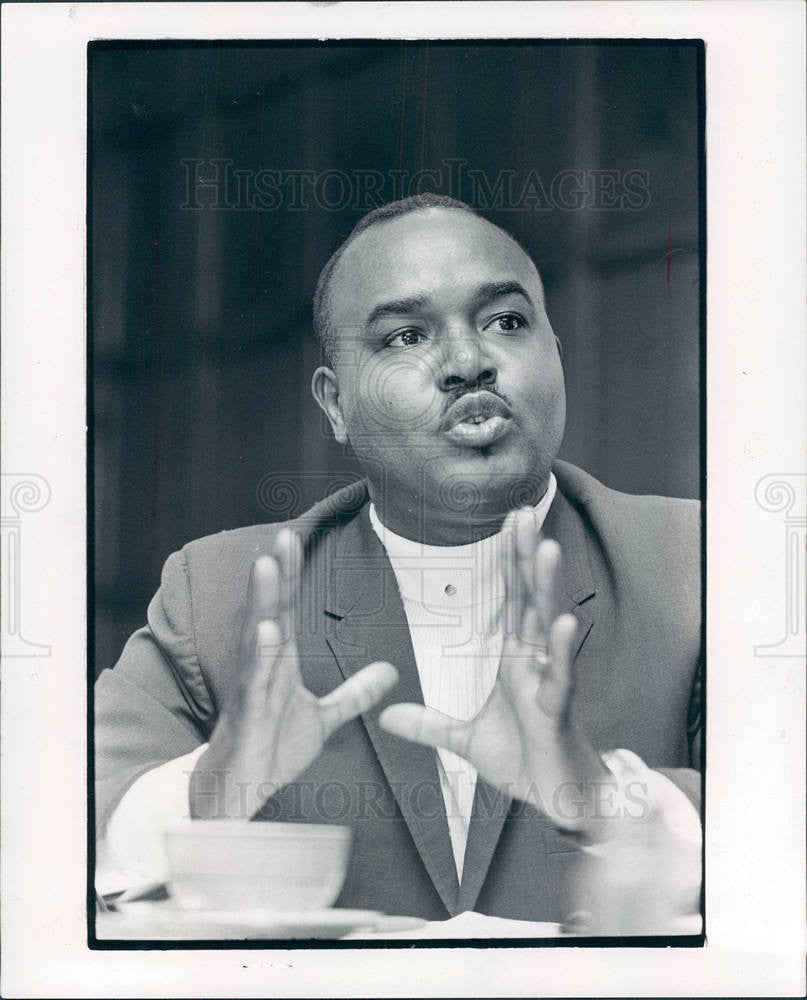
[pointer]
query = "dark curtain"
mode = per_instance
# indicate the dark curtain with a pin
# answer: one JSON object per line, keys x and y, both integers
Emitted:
{"x": 221, "y": 178}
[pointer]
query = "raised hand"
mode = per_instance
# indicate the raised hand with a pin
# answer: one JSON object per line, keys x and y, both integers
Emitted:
{"x": 272, "y": 727}
{"x": 522, "y": 740}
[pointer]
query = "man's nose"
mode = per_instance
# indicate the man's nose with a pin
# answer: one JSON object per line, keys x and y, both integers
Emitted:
{"x": 467, "y": 366}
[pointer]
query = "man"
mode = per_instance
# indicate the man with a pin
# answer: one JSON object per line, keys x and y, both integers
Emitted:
{"x": 484, "y": 661}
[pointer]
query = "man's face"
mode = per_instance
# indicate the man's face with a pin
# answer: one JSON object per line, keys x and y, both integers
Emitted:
{"x": 447, "y": 381}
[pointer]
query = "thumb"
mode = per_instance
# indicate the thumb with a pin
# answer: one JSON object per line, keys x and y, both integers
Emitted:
{"x": 427, "y": 726}
{"x": 356, "y": 695}
{"x": 557, "y": 681}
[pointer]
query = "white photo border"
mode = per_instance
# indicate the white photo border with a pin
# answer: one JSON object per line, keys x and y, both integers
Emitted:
{"x": 755, "y": 440}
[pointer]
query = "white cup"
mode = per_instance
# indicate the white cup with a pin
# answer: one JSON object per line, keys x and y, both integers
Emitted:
{"x": 227, "y": 864}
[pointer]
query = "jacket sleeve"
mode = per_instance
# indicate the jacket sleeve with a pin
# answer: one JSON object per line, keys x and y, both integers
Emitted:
{"x": 154, "y": 705}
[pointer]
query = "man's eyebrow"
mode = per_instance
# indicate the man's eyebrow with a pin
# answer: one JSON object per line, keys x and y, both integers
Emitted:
{"x": 396, "y": 307}
{"x": 484, "y": 293}
{"x": 497, "y": 289}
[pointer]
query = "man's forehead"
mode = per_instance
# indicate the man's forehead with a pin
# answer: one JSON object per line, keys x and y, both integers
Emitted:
{"x": 428, "y": 249}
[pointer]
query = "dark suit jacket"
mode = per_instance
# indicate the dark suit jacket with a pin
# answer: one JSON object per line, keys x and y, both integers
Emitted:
{"x": 632, "y": 578}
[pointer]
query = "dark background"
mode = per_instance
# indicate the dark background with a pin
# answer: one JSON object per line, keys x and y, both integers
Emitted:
{"x": 200, "y": 332}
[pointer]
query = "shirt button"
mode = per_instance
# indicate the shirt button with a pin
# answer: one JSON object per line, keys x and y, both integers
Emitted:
{"x": 450, "y": 589}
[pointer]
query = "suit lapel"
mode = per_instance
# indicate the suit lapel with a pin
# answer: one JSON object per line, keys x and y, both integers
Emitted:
{"x": 490, "y": 805}
{"x": 363, "y": 598}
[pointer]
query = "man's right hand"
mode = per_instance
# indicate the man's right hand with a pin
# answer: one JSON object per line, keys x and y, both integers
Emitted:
{"x": 271, "y": 728}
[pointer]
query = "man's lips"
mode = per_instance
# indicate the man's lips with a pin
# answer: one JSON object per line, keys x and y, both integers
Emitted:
{"x": 476, "y": 420}
{"x": 474, "y": 405}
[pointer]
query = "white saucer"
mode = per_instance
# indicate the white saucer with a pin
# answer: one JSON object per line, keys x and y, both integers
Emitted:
{"x": 163, "y": 921}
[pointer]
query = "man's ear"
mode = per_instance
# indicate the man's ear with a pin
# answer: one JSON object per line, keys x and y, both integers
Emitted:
{"x": 325, "y": 389}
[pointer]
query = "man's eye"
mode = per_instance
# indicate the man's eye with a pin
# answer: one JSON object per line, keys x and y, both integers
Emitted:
{"x": 507, "y": 322}
{"x": 407, "y": 338}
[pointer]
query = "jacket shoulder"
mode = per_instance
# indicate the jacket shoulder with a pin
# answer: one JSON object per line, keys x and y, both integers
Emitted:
{"x": 237, "y": 545}
{"x": 655, "y": 539}
{"x": 216, "y": 570}
{"x": 584, "y": 490}
{"x": 218, "y": 566}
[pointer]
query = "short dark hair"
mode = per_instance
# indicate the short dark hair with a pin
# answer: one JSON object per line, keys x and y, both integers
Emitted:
{"x": 323, "y": 328}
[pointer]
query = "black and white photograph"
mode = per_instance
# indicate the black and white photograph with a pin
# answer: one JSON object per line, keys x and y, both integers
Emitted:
{"x": 396, "y": 347}
{"x": 403, "y": 537}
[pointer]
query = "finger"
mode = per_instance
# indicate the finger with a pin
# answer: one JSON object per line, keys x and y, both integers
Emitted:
{"x": 427, "y": 726}
{"x": 554, "y": 693}
{"x": 268, "y": 639}
{"x": 262, "y": 651}
{"x": 276, "y": 674}
{"x": 509, "y": 566}
{"x": 546, "y": 582}
{"x": 358, "y": 694}
{"x": 527, "y": 537}
{"x": 263, "y": 594}
{"x": 522, "y": 621}
{"x": 543, "y": 591}
{"x": 288, "y": 552}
